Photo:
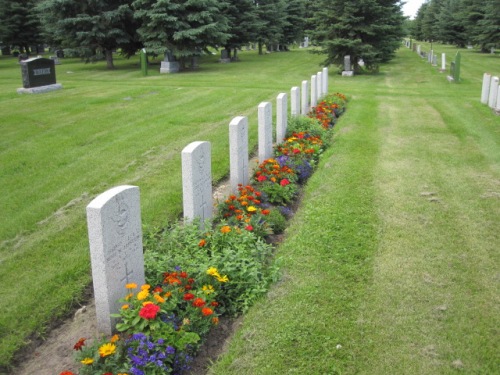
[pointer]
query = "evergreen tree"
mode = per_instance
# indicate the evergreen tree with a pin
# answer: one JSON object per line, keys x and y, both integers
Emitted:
{"x": 272, "y": 17}
{"x": 430, "y": 28}
{"x": 417, "y": 31}
{"x": 487, "y": 34}
{"x": 90, "y": 28}
{"x": 366, "y": 29}
{"x": 293, "y": 30}
{"x": 451, "y": 29}
{"x": 182, "y": 27}
{"x": 243, "y": 23}
{"x": 20, "y": 26}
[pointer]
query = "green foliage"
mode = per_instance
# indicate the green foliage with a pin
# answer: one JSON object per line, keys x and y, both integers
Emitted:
{"x": 307, "y": 124}
{"x": 19, "y": 24}
{"x": 277, "y": 221}
{"x": 368, "y": 29}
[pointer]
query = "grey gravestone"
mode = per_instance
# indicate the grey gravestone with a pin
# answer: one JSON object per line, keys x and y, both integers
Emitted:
{"x": 305, "y": 98}
{"x": 281, "y": 117}
{"x": 115, "y": 238}
{"x": 314, "y": 91}
{"x": 224, "y": 56}
{"x": 265, "y": 119}
{"x": 238, "y": 152}
{"x": 56, "y": 60}
{"x": 295, "y": 101}
{"x": 169, "y": 65}
{"x": 60, "y": 53}
{"x": 485, "y": 91}
{"x": 455, "y": 69}
{"x": 144, "y": 62}
{"x": 197, "y": 181}
{"x": 306, "y": 42}
{"x": 38, "y": 75}
{"x": 347, "y": 72}
{"x": 492, "y": 96}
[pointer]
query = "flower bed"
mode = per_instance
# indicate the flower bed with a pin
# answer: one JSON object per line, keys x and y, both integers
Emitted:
{"x": 195, "y": 277}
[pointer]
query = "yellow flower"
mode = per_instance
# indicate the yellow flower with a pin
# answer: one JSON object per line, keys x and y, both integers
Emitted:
{"x": 147, "y": 303}
{"x": 251, "y": 209}
{"x": 145, "y": 287}
{"x": 115, "y": 338}
{"x": 87, "y": 361}
{"x": 125, "y": 307}
{"x": 131, "y": 286}
{"x": 208, "y": 289}
{"x": 142, "y": 294}
{"x": 128, "y": 296}
{"x": 223, "y": 279}
{"x": 107, "y": 349}
{"x": 212, "y": 271}
{"x": 159, "y": 298}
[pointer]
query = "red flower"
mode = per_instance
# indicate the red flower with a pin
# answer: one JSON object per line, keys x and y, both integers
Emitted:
{"x": 188, "y": 297}
{"x": 206, "y": 311}
{"x": 79, "y": 344}
{"x": 261, "y": 178}
{"x": 183, "y": 275}
{"x": 284, "y": 182}
{"x": 158, "y": 289}
{"x": 296, "y": 151}
{"x": 149, "y": 311}
{"x": 66, "y": 373}
{"x": 198, "y": 302}
{"x": 249, "y": 228}
{"x": 214, "y": 303}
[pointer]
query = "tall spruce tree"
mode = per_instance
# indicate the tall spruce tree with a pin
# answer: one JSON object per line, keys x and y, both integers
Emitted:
{"x": 243, "y": 24}
{"x": 365, "y": 29}
{"x": 184, "y": 28}
{"x": 272, "y": 17}
{"x": 487, "y": 34}
{"x": 293, "y": 30}
{"x": 19, "y": 24}
{"x": 90, "y": 28}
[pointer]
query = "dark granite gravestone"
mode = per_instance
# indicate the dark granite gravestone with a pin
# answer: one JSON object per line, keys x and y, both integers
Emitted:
{"x": 38, "y": 72}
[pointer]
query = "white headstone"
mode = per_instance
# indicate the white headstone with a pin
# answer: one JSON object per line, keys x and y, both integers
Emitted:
{"x": 197, "y": 181}
{"x": 281, "y": 117}
{"x": 485, "y": 92}
{"x": 325, "y": 80}
{"x": 115, "y": 238}
{"x": 497, "y": 108}
{"x": 319, "y": 84}
{"x": 265, "y": 118}
{"x": 305, "y": 98}
{"x": 314, "y": 91}
{"x": 238, "y": 152}
{"x": 492, "y": 97}
{"x": 418, "y": 49}
{"x": 443, "y": 61}
{"x": 295, "y": 101}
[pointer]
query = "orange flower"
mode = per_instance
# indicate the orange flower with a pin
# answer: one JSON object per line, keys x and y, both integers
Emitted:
{"x": 207, "y": 311}
{"x": 202, "y": 243}
{"x": 79, "y": 344}
{"x": 198, "y": 302}
{"x": 215, "y": 320}
{"x": 225, "y": 229}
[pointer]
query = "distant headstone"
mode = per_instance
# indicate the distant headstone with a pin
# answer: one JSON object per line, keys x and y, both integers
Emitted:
{"x": 314, "y": 91}
{"x": 443, "y": 62}
{"x": 281, "y": 117}
{"x": 38, "y": 75}
{"x": 455, "y": 69}
{"x": 485, "y": 91}
{"x": 197, "y": 181}
{"x": 60, "y": 53}
{"x": 169, "y": 64}
{"x": 265, "y": 119}
{"x": 295, "y": 101}
{"x": 115, "y": 238}
{"x": 325, "y": 80}
{"x": 419, "y": 49}
{"x": 305, "y": 98}
{"x": 56, "y": 60}
{"x": 347, "y": 72}
{"x": 306, "y": 42}
{"x": 238, "y": 152}
{"x": 144, "y": 62}
{"x": 224, "y": 56}
{"x": 434, "y": 59}
{"x": 492, "y": 97}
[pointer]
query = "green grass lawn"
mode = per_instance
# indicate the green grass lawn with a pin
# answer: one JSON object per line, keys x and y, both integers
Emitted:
{"x": 106, "y": 128}
{"x": 391, "y": 264}
{"x": 389, "y": 267}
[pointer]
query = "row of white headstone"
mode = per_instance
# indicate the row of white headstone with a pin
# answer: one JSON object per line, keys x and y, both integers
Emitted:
{"x": 431, "y": 57}
{"x": 490, "y": 93}
{"x": 114, "y": 217}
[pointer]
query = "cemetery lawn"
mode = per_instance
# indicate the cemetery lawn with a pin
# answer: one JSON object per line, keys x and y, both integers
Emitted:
{"x": 390, "y": 265}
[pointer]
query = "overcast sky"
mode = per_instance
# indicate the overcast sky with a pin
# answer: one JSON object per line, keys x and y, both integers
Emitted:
{"x": 411, "y": 7}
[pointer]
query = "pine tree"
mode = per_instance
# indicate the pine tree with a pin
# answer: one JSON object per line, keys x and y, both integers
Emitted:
{"x": 487, "y": 34}
{"x": 366, "y": 29}
{"x": 90, "y": 28}
{"x": 20, "y": 26}
{"x": 272, "y": 17}
{"x": 295, "y": 22}
{"x": 243, "y": 23}
{"x": 184, "y": 28}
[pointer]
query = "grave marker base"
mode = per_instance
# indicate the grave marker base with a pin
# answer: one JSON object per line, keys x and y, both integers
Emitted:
{"x": 40, "y": 89}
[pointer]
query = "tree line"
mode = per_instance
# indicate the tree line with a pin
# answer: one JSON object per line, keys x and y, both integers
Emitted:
{"x": 365, "y": 29}
{"x": 459, "y": 22}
